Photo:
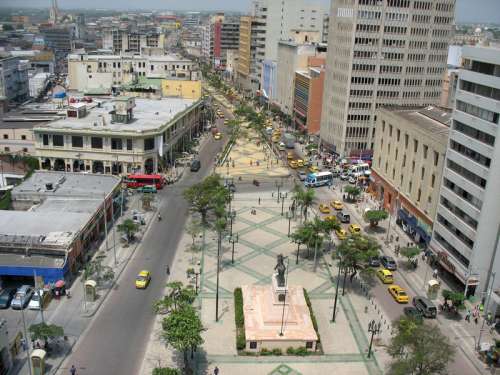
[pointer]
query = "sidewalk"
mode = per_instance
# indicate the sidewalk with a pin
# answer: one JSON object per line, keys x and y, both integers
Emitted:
{"x": 74, "y": 314}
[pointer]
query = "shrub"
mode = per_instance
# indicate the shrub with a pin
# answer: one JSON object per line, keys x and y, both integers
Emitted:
{"x": 277, "y": 351}
{"x": 166, "y": 371}
{"x": 265, "y": 351}
{"x": 301, "y": 351}
{"x": 311, "y": 312}
{"x": 239, "y": 319}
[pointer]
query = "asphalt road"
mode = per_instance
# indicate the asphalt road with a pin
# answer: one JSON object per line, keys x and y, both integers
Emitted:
{"x": 116, "y": 338}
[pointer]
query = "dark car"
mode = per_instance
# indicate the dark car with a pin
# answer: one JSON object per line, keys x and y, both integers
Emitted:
{"x": 6, "y": 296}
{"x": 414, "y": 313}
{"x": 388, "y": 263}
{"x": 374, "y": 262}
{"x": 195, "y": 166}
{"x": 425, "y": 306}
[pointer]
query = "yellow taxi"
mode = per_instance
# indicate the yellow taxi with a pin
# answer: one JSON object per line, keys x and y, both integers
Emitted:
{"x": 217, "y": 136}
{"x": 300, "y": 163}
{"x": 398, "y": 293}
{"x": 337, "y": 205}
{"x": 324, "y": 208}
{"x": 293, "y": 164}
{"x": 142, "y": 280}
{"x": 341, "y": 234}
{"x": 313, "y": 169}
{"x": 354, "y": 228}
{"x": 289, "y": 156}
{"x": 226, "y": 121}
{"x": 330, "y": 218}
{"x": 385, "y": 276}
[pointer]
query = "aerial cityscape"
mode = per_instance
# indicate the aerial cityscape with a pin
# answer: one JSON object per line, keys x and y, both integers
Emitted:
{"x": 264, "y": 187}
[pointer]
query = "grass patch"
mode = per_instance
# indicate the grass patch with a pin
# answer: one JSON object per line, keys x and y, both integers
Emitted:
{"x": 313, "y": 318}
{"x": 239, "y": 319}
{"x": 5, "y": 201}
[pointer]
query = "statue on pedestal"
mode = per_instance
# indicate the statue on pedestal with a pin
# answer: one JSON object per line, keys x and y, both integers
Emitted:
{"x": 280, "y": 268}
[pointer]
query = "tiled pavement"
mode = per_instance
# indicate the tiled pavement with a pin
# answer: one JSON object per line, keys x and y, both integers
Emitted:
{"x": 261, "y": 238}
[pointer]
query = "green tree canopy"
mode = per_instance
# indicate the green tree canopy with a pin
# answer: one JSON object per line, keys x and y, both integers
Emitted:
{"x": 97, "y": 271}
{"x": 457, "y": 299}
{"x": 177, "y": 297}
{"x": 303, "y": 198}
{"x": 182, "y": 330}
{"x": 166, "y": 371}
{"x": 419, "y": 349}
{"x": 374, "y": 216}
{"x": 194, "y": 229}
{"x": 129, "y": 228}
{"x": 354, "y": 253}
{"x": 353, "y": 192}
{"x": 410, "y": 252}
{"x": 45, "y": 332}
{"x": 205, "y": 195}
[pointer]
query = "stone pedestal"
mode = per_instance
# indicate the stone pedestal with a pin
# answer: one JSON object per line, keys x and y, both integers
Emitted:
{"x": 279, "y": 292}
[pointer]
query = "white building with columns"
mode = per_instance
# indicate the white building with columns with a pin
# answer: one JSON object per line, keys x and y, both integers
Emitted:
{"x": 118, "y": 135}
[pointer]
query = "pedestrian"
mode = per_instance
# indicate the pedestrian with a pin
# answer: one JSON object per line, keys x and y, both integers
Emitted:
{"x": 435, "y": 274}
{"x": 168, "y": 271}
{"x": 24, "y": 345}
{"x": 489, "y": 318}
{"x": 72, "y": 370}
{"x": 216, "y": 370}
{"x": 476, "y": 318}
{"x": 467, "y": 316}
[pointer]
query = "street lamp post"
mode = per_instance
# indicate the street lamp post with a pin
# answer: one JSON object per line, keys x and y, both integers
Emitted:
{"x": 26, "y": 338}
{"x": 278, "y": 185}
{"x": 282, "y": 203}
{"x": 219, "y": 240}
{"x": 320, "y": 236}
{"x": 373, "y": 328}
{"x": 336, "y": 296}
{"x": 232, "y": 215}
{"x": 233, "y": 240}
{"x": 196, "y": 274}
{"x": 289, "y": 217}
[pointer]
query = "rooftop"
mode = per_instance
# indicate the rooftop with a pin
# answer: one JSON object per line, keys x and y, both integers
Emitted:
{"x": 25, "y": 119}
{"x": 162, "y": 58}
{"x": 434, "y": 121}
{"x": 65, "y": 184}
{"x": 148, "y": 115}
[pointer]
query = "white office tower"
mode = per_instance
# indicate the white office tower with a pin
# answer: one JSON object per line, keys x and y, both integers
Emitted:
{"x": 381, "y": 52}
{"x": 466, "y": 227}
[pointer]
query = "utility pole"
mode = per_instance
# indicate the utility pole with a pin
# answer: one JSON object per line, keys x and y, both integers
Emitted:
{"x": 39, "y": 297}
{"x": 336, "y": 296}
{"x": 27, "y": 341}
{"x": 114, "y": 226}
{"x": 219, "y": 240}
{"x": 105, "y": 222}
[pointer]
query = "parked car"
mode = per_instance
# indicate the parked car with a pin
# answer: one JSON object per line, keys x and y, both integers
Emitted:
{"x": 425, "y": 306}
{"x": 343, "y": 217}
{"x": 36, "y": 302}
{"x": 195, "y": 166}
{"x": 388, "y": 262}
{"x": 22, "y": 297}
{"x": 344, "y": 176}
{"x": 352, "y": 180}
{"x": 324, "y": 208}
{"x": 148, "y": 189}
{"x": 302, "y": 175}
{"x": 413, "y": 313}
{"x": 341, "y": 234}
{"x": 6, "y": 297}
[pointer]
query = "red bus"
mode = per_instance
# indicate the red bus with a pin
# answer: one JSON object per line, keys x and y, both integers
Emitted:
{"x": 140, "y": 180}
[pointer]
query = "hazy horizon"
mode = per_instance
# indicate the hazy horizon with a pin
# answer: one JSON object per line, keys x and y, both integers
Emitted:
{"x": 477, "y": 11}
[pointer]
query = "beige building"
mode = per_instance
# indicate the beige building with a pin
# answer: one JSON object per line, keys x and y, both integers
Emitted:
{"x": 244, "y": 51}
{"x": 93, "y": 73}
{"x": 118, "y": 135}
{"x": 391, "y": 52}
{"x": 409, "y": 150}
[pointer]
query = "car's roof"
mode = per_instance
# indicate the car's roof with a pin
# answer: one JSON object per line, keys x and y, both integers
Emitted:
{"x": 144, "y": 273}
{"x": 385, "y": 272}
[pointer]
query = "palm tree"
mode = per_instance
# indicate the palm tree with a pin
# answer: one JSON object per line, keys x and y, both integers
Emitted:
{"x": 307, "y": 201}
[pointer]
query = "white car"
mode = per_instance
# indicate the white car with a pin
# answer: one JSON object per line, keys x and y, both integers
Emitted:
{"x": 352, "y": 180}
{"x": 35, "y": 301}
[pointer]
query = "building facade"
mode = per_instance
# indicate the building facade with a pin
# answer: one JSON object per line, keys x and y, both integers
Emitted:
{"x": 291, "y": 57}
{"x": 467, "y": 225}
{"x": 269, "y": 79}
{"x": 130, "y": 40}
{"x": 222, "y": 34}
{"x": 14, "y": 83}
{"x": 308, "y": 99}
{"x": 119, "y": 136}
{"x": 93, "y": 72}
{"x": 390, "y": 52}
{"x": 407, "y": 166}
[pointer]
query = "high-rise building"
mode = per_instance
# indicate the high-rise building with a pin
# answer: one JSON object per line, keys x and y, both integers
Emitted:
{"x": 280, "y": 20}
{"x": 132, "y": 40}
{"x": 467, "y": 224}
{"x": 222, "y": 34}
{"x": 14, "y": 79}
{"x": 381, "y": 52}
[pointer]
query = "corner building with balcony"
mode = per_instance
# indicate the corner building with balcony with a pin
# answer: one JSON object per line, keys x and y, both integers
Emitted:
{"x": 467, "y": 224}
{"x": 381, "y": 52}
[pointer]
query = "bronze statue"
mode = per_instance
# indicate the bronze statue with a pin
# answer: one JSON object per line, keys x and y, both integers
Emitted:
{"x": 280, "y": 267}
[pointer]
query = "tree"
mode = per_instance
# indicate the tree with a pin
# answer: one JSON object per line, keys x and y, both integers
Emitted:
{"x": 354, "y": 253}
{"x": 129, "y": 228}
{"x": 457, "y": 299}
{"x": 303, "y": 198}
{"x": 45, "y": 332}
{"x": 410, "y": 253}
{"x": 419, "y": 349}
{"x": 374, "y": 216}
{"x": 146, "y": 200}
{"x": 177, "y": 297}
{"x": 166, "y": 371}
{"x": 194, "y": 229}
{"x": 353, "y": 192}
{"x": 182, "y": 329}
{"x": 97, "y": 271}
{"x": 202, "y": 196}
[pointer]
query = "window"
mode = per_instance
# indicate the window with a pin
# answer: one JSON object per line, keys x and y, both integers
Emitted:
{"x": 476, "y": 111}
{"x": 419, "y": 195}
{"x": 6, "y": 149}
{"x": 149, "y": 144}
{"x": 406, "y": 140}
{"x": 129, "y": 144}
{"x": 474, "y": 133}
{"x": 415, "y": 145}
{"x": 58, "y": 140}
{"x": 433, "y": 180}
{"x": 471, "y": 154}
{"x": 45, "y": 138}
{"x": 309, "y": 344}
{"x": 116, "y": 144}
{"x": 472, "y": 177}
{"x": 253, "y": 344}
{"x": 96, "y": 142}
{"x": 436, "y": 158}
{"x": 25, "y": 149}
{"x": 463, "y": 194}
{"x": 398, "y": 135}
{"x": 23, "y": 137}
{"x": 426, "y": 148}
{"x": 410, "y": 186}
{"x": 422, "y": 173}
{"x": 5, "y": 136}
{"x": 77, "y": 141}
{"x": 413, "y": 166}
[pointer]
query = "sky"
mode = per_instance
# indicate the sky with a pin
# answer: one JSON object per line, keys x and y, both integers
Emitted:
{"x": 467, "y": 10}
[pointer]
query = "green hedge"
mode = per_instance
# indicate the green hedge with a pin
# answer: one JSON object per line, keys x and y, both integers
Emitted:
{"x": 5, "y": 201}
{"x": 302, "y": 351}
{"x": 166, "y": 371}
{"x": 311, "y": 312}
{"x": 239, "y": 319}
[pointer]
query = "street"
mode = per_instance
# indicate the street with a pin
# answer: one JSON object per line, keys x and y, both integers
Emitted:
{"x": 116, "y": 337}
